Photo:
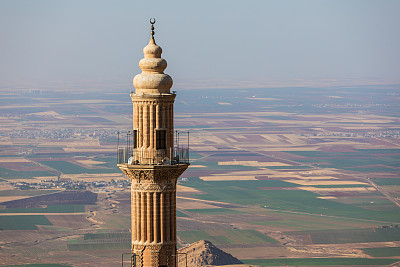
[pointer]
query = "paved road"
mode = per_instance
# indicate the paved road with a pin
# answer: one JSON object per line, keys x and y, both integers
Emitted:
{"x": 380, "y": 189}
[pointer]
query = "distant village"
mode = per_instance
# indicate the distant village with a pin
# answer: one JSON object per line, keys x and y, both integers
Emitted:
{"x": 101, "y": 133}
{"x": 72, "y": 185}
{"x": 63, "y": 133}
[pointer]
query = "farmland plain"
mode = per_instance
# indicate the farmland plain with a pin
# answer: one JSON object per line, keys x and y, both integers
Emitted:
{"x": 278, "y": 176}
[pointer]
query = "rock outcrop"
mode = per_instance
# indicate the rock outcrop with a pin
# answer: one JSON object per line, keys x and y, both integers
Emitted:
{"x": 204, "y": 253}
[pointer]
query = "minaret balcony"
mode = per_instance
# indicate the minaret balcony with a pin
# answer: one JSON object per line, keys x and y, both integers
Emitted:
{"x": 172, "y": 156}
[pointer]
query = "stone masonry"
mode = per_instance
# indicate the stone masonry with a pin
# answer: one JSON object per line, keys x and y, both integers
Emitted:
{"x": 152, "y": 169}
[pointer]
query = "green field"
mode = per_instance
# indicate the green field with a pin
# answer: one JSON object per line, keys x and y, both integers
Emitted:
{"x": 48, "y": 209}
{"x": 181, "y": 214}
{"x": 69, "y": 168}
{"x": 251, "y": 193}
{"x": 22, "y": 222}
{"x": 387, "y": 181}
{"x": 342, "y": 186}
{"x": 319, "y": 261}
{"x": 383, "y": 252}
{"x": 226, "y": 236}
{"x": 11, "y": 174}
{"x": 305, "y": 223}
{"x": 352, "y": 235}
{"x": 356, "y": 161}
{"x": 380, "y": 151}
{"x": 106, "y": 236}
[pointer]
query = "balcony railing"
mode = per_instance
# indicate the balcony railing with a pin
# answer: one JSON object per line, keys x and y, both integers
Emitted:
{"x": 128, "y": 154}
{"x": 152, "y": 157}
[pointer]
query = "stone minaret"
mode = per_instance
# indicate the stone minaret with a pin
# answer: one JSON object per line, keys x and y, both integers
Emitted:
{"x": 154, "y": 164}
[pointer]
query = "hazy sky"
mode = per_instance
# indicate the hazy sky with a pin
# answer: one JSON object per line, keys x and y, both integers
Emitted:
{"x": 208, "y": 43}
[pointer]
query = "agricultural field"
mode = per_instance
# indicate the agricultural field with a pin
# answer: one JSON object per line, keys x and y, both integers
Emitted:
{"x": 365, "y": 235}
{"x": 383, "y": 252}
{"x": 276, "y": 177}
{"x": 322, "y": 262}
{"x": 22, "y": 222}
{"x": 226, "y": 236}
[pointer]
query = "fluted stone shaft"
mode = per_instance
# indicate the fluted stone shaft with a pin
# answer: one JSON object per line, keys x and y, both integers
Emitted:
{"x": 153, "y": 113}
{"x": 153, "y": 192}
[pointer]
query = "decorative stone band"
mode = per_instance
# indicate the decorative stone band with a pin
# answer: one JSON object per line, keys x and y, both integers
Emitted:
{"x": 156, "y": 254}
{"x": 145, "y": 174}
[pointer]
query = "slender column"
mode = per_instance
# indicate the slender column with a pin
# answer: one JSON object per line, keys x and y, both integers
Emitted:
{"x": 143, "y": 217}
{"x": 171, "y": 126}
{"x": 151, "y": 127}
{"x": 133, "y": 211}
{"x": 167, "y": 118}
{"x": 164, "y": 117}
{"x": 140, "y": 137}
{"x": 173, "y": 220}
{"x": 162, "y": 219}
{"x": 167, "y": 217}
{"x": 158, "y": 116}
{"x": 138, "y": 214}
{"x": 148, "y": 125}
{"x": 145, "y": 126}
{"x": 135, "y": 116}
{"x": 155, "y": 219}
{"x": 149, "y": 221}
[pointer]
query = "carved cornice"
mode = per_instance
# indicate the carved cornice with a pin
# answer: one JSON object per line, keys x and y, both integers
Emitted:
{"x": 153, "y": 173}
{"x": 154, "y": 187}
{"x": 153, "y": 98}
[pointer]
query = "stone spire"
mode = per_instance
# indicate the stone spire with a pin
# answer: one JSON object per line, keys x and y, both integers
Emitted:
{"x": 153, "y": 163}
{"x": 152, "y": 80}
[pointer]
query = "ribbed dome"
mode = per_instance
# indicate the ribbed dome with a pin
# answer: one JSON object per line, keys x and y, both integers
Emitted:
{"x": 152, "y": 80}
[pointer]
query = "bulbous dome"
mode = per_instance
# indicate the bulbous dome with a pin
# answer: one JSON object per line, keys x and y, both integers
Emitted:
{"x": 152, "y": 80}
{"x": 152, "y": 64}
{"x": 152, "y": 50}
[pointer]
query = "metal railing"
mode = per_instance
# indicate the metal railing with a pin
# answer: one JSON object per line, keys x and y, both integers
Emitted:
{"x": 127, "y": 153}
{"x": 132, "y": 259}
{"x": 153, "y": 156}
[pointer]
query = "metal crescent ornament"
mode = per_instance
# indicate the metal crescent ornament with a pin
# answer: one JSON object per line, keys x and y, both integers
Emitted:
{"x": 152, "y": 21}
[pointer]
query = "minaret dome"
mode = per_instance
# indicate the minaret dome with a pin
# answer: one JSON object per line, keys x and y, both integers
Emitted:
{"x": 152, "y": 80}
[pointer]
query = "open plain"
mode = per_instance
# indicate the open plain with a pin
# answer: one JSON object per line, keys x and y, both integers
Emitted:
{"x": 278, "y": 176}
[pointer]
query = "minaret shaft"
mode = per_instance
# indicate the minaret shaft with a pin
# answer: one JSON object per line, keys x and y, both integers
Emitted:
{"x": 153, "y": 168}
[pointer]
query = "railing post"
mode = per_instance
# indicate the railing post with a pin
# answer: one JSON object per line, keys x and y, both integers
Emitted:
{"x": 118, "y": 149}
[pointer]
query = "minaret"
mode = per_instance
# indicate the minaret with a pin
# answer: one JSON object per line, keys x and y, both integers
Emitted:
{"x": 153, "y": 163}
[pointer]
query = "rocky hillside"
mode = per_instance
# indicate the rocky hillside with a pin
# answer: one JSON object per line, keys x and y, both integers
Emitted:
{"x": 204, "y": 253}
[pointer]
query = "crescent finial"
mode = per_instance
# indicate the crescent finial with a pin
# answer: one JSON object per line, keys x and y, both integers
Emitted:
{"x": 152, "y": 21}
